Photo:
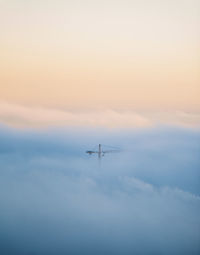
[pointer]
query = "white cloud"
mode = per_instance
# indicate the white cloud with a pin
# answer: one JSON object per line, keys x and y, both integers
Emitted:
{"x": 26, "y": 116}
{"x": 17, "y": 115}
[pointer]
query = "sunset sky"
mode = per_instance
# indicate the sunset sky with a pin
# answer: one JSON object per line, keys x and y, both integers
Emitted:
{"x": 99, "y": 127}
{"x": 80, "y": 56}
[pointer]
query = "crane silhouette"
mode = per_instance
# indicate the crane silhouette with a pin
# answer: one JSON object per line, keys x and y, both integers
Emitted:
{"x": 101, "y": 152}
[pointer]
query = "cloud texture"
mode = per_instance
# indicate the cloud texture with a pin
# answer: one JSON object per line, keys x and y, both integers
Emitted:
{"x": 26, "y": 116}
{"x": 55, "y": 199}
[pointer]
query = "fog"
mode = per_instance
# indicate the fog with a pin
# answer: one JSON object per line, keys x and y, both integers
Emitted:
{"x": 56, "y": 199}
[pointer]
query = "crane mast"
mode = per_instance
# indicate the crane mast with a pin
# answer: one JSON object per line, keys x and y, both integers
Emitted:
{"x": 99, "y": 152}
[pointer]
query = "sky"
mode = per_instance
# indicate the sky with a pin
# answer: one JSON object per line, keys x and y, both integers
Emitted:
{"x": 74, "y": 74}
{"x": 139, "y": 56}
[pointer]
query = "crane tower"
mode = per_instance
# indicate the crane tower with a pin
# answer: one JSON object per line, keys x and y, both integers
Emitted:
{"x": 100, "y": 152}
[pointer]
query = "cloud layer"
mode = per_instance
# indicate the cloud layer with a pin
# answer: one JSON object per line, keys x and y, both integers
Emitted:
{"x": 55, "y": 199}
{"x": 24, "y": 116}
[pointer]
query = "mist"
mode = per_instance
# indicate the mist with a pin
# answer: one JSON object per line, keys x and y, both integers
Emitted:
{"x": 56, "y": 199}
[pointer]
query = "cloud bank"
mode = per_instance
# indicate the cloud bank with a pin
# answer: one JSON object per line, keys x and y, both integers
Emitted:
{"x": 26, "y": 116}
{"x": 55, "y": 199}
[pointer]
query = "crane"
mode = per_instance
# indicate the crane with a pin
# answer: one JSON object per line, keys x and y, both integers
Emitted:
{"x": 101, "y": 152}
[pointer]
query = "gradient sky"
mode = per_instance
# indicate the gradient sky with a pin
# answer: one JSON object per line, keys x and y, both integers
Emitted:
{"x": 76, "y": 73}
{"x": 125, "y": 55}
